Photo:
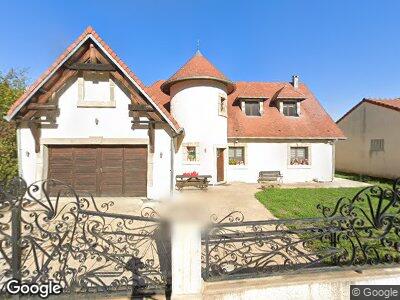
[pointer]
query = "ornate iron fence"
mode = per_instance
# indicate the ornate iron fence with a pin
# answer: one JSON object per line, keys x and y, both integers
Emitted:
{"x": 76, "y": 242}
{"x": 359, "y": 232}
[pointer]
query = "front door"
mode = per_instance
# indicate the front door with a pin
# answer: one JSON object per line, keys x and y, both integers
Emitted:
{"x": 220, "y": 165}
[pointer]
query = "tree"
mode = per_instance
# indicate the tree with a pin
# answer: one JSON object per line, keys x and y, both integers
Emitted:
{"x": 12, "y": 85}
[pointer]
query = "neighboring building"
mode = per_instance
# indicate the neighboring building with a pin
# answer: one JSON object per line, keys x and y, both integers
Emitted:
{"x": 372, "y": 128}
{"x": 90, "y": 121}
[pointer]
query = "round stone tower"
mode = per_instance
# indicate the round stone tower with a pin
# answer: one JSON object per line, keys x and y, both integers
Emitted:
{"x": 199, "y": 102}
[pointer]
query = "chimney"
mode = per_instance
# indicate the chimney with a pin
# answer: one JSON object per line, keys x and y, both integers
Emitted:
{"x": 295, "y": 81}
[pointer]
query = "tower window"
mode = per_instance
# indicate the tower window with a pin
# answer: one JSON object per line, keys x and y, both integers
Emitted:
{"x": 191, "y": 153}
{"x": 222, "y": 106}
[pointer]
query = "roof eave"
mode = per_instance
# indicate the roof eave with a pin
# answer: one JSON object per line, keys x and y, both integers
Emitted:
{"x": 291, "y": 98}
{"x": 90, "y": 35}
{"x": 289, "y": 138}
{"x": 29, "y": 96}
{"x": 166, "y": 86}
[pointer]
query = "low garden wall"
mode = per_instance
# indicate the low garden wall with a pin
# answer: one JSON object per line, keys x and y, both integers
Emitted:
{"x": 325, "y": 285}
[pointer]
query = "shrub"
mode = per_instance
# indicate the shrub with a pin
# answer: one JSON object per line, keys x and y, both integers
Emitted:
{"x": 12, "y": 85}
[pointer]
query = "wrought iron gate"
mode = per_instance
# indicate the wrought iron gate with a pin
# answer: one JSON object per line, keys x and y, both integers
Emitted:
{"x": 360, "y": 232}
{"x": 78, "y": 243}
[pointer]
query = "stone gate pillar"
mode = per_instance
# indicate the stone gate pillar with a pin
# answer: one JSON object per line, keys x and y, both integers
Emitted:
{"x": 186, "y": 225}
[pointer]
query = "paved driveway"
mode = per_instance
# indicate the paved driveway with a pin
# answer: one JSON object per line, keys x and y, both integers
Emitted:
{"x": 224, "y": 199}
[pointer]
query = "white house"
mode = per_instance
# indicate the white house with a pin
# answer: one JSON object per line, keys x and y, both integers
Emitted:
{"x": 89, "y": 121}
{"x": 372, "y": 147}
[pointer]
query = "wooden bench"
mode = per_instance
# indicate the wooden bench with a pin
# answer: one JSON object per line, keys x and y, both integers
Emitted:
{"x": 264, "y": 176}
{"x": 199, "y": 181}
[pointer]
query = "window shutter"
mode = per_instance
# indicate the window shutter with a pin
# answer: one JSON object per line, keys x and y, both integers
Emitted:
{"x": 81, "y": 90}
{"x": 292, "y": 153}
{"x": 184, "y": 153}
{"x": 197, "y": 153}
{"x": 301, "y": 153}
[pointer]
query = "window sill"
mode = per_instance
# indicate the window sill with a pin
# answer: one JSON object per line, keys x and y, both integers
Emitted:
{"x": 299, "y": 166}
{"x": 191, "y": 163}
{"x": 238, "y": 167}
{"x": 96, "y": 104}
{"x": 225, "y": 115}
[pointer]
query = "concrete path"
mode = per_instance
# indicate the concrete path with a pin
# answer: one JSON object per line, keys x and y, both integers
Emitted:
{"x": 224, "y": 199}
{"x": 336, "y": 183}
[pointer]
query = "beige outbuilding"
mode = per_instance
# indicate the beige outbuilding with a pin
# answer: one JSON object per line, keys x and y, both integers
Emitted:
{"x": 372, "y": 147}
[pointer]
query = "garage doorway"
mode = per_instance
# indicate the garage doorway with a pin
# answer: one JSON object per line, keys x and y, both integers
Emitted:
{"x": 102, "y": 170}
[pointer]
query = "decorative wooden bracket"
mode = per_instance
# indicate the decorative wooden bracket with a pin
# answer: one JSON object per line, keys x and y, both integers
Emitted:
{"x": 151, "y": 133}
{"x": 91, "y": 67}
{"x": 35, "y": 130}
{"x": 140, "y": 107}
{"x": 38, "y": 106}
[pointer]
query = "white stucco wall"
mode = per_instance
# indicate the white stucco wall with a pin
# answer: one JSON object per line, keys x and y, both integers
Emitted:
{"x": 78, "y": 125}
{"x": 264, "y": 155}
{"x": 195, "y": 105}
{"x": 366, "y": 122}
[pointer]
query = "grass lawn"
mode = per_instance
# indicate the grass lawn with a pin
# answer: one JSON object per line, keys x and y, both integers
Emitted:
{"x": 302, "y": 202}
{"x": 383, "y": 182}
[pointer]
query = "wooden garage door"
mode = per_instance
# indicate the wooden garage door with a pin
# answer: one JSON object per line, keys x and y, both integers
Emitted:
{"x": 101, "y": 170}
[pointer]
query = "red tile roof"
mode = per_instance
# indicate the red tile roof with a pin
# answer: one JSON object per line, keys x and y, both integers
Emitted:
{"x": 314, "y": 122}
{"x": 198, "y": 67}
{"x": 161, "y": 99}
{"x": 41, "y": 80}
{"x": 388, "y": 103}
{"x": 289, "y": 92}
{"x": 393, "y": 103}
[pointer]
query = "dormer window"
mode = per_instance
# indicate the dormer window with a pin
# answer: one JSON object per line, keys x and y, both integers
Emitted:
{"x": 289, "y": 109}
{"x": 252, "y": 108}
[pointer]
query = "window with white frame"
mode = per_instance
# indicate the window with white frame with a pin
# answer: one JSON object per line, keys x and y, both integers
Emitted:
{"x": 236, "y": 156}
{"x": 191, "y": 153}
{"x": 222, "y": 106}
{"x": 96, "y": 89}
{"x": 377, "y": 145}
{"x": 299, "y": 156}
{"x": 289, "y": 109}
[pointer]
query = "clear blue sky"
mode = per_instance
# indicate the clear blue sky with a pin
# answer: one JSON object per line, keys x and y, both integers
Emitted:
{"x": 344, "y": 50}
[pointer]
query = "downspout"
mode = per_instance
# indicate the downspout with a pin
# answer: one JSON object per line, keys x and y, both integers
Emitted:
{"x": 333, "y": 159}
{"x": 171, "y": 183}
{"x": 19, "y": 152}
{"x": 172, "y": 156}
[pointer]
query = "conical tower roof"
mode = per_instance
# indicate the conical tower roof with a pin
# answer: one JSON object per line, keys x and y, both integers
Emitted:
{"x": 198, "y": 67}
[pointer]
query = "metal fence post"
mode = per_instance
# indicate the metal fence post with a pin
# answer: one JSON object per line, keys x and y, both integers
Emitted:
{"x": 16, "y": 239}
{"x": 207, "y": 255}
